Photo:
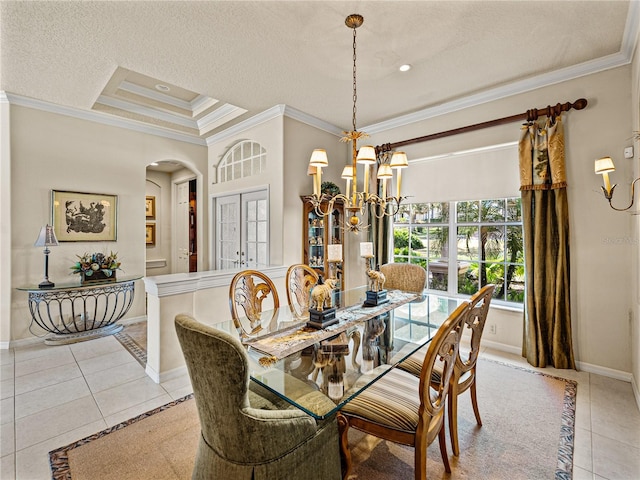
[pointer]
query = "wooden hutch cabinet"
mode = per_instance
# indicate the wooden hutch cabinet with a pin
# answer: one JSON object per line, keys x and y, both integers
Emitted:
{"x": 317, "y": 233}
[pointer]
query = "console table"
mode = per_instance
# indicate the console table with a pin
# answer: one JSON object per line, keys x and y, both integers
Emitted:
{"x": 73, "y": 312}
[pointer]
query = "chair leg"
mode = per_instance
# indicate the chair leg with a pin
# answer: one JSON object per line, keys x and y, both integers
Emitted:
{"x": 345, "y": 453}
{"x": 453, "y": 420}
{"x": 474, "y": 402}
{"x": 443, "y": 449}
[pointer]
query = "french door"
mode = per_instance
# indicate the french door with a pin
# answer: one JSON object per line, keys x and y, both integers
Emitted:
{"x": 242, "y": 230}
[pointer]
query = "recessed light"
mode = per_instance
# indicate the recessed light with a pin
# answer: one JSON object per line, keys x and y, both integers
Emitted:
{"x": 162, "y": 88}
{"x": 154, "y": 164}
{"x": 405, "y": 68}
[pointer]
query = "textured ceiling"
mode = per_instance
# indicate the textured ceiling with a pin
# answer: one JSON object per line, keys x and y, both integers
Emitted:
{"x": 225, "y": 61}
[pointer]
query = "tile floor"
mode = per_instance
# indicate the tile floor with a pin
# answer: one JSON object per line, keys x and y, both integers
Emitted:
{"x": 52, "y": 396}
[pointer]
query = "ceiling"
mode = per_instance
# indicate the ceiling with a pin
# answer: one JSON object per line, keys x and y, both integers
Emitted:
{"x": 197, "y": 68}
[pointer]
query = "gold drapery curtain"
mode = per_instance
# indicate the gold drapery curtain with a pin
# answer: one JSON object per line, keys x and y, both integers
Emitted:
{"x": 545, "y": 217}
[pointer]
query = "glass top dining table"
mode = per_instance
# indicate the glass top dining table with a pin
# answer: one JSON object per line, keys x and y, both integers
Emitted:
{"x": 318, "y": 370}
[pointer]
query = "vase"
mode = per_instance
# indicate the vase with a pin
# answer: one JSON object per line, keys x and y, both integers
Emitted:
{"x": 98, "y": 276}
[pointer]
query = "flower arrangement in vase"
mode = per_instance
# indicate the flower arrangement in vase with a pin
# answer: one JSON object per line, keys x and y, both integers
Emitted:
{"x": 96, "y": 267}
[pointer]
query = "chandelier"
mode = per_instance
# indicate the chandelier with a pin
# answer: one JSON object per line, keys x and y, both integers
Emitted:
{"x": 357, "y": 201}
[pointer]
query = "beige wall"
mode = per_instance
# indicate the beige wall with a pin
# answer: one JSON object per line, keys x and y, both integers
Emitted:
{"x": 51, "y": 151}
{"x": 634, "y": 290}
{"x": 600, "y": 254}
{"x": 158, "y": 256}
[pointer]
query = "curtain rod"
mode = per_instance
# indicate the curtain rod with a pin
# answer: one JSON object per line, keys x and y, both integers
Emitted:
{"x": 529, "y": 116}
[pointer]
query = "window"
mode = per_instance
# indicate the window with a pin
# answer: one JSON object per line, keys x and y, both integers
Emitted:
{"x": 245, "y": 159}
{"x": 487, "y": 246}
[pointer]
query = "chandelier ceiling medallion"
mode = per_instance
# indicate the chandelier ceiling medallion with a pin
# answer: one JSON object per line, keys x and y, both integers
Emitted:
{"x": 357, "y": 201}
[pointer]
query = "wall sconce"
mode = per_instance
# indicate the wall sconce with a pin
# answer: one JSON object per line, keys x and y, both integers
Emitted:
{"x": 603, "y": 166}
{"x": 46, "y": 239}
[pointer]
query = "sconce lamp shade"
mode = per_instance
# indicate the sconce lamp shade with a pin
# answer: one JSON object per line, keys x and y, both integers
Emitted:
{"x": 319, "y": 158}
{"x": 334, "y": 253}
{"x": 399, "y": 160}
{"x": 366, "y": 155}
{"x": 385, "y": 171}
{"x": 347, "y": 172}
{"x": 47, "y": 237}
{"x": 604, "y": 165}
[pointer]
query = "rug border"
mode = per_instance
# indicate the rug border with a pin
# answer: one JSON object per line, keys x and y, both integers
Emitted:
{"x": 59, "y": 459}
{"x": 564, "y": 469}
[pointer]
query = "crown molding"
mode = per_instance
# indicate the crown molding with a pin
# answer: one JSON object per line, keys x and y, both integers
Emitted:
{"x": 515, "y": 88}
{"x": 218, "y": 117}
{"x": 630, "y": 40}
{"x": 131, "y": 107}
{"x": 155, "y": 95}
{"x": 103, "y": 118}
{"x": 300, "y": 116}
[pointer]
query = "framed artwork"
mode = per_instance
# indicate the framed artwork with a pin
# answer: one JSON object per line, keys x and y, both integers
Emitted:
{"x": 84, "y": 217}
{"x": 150, "y": 207}
{"x": 150, "y": 234}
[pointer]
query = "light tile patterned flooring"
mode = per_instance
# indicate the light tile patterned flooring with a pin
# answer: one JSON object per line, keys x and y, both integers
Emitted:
{"x": 52, "y": 396}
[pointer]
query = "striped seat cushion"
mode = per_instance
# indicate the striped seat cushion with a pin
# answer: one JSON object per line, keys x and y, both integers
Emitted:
{"x": 393, "y": 402}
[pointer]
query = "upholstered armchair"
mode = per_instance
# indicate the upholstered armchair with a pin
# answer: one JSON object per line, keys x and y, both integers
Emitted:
{"x": 245, "y": 433}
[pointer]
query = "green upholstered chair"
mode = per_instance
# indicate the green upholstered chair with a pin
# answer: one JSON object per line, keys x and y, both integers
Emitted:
{"x": 245, "y": 433}
{"x": 464, "y": 374}
{"x": 403, "y": 408}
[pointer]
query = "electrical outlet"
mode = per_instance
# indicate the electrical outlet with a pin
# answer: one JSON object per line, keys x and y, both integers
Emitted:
{"x": 492, "y": 329}
{"x": 628, "y": 152}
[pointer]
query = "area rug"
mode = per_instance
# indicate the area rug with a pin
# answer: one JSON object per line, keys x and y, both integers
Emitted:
{"x": 133, "y": 338}
{"x": 527, "y": 433}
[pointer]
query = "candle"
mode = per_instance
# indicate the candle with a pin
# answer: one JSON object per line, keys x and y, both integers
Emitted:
{"x": 366, "y": 249}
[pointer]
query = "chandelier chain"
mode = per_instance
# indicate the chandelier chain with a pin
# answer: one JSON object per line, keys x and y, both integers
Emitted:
{"x": 355, "y": 93}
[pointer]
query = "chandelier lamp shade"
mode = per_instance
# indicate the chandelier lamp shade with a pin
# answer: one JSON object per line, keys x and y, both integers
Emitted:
{"x": 357, "y": 198}
{"x": 603, "y": 166}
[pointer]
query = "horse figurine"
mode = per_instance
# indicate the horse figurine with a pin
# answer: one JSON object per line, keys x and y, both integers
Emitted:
{"x": 321, "y": 294}
{"x": 376, "y": 280}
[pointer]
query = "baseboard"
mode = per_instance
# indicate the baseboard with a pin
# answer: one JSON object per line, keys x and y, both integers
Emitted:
{"x": 604, "y": 371}
{"x": 501, "y": 347}
{"x": 25, "y": 342}
{"x": 636, "y": 392}
{"x": 166, "y": 376}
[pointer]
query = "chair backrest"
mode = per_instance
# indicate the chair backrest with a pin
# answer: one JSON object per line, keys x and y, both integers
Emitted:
{"x": 404, "y": 276}
{"x": 440, "y": 359}
{"x": 247, "y": 291}
{"x": 300, "y": 279}
{"x": 219, "y": 372}
{"x": 479, "y": 308}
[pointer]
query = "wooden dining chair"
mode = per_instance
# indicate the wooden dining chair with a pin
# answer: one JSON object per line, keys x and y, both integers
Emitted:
{"x": 300, "y": 279}
{"x": 406, "y": 409}
{"x": 248, "y": 290}
{"x": 464, "y": 375}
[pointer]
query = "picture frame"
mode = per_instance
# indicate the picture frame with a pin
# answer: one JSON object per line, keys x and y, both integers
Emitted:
{"x": 150, "y": 207}
{"x": 84, "y": 217}
{"x": 150, "y": 234}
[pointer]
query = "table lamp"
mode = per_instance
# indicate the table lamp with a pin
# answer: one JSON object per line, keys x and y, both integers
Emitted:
{"x": 46, "y": 239}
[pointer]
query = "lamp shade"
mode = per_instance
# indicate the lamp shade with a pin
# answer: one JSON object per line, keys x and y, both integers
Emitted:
{"x": 347, "y": 172}
{"x": 319, "y": 158}
{"x": 604, "y": 165}
{"x": 366, "y": 249}
{"x": 366, "y": 155}
{"x": 399, "y": 160}
{"x": 334, "y": 253}
{"x": 384, "y": 171}
{"x": 47, "y": 237}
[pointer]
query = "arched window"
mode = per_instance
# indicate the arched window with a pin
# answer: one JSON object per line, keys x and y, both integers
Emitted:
{"x": 244, "y": 159}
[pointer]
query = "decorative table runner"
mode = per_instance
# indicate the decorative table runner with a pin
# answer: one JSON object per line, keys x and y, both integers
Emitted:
{"x": 285, "y": 342}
